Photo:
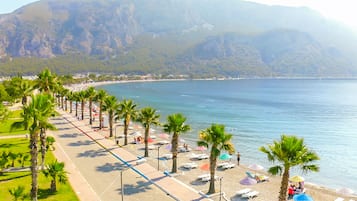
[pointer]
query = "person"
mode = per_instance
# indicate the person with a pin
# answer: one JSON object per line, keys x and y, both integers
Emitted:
{"x": 291, "y": 192}
{"x": 238, "y": 158}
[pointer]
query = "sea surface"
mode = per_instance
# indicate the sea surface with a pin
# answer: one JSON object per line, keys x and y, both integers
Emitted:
{"x": 258, "y": 111}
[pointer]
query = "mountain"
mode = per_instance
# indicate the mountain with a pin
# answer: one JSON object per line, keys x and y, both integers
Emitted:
{"x": 200, "y": 37}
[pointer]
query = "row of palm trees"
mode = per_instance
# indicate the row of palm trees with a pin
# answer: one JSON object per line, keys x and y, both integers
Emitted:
{"x": 290, "y": 151}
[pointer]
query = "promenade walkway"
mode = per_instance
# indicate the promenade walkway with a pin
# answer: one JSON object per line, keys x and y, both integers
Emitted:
{"x": 173, "y": 189}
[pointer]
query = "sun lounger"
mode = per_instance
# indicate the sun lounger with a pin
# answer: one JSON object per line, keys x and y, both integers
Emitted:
{"x": 219, "y": 165}
{"x": 163, "y": 142}
{"x": 205, "y": 179}
{"x": 190, "y": 165}
{"x": 243, "y": 191}
{"x": 228, "y": 166}
{"x": 250, "y": 194}
{"x": 140, "y": 161}
{"x": 202, "y": 156}
{"x": 203, "y": 176}
{"x": 167, "y": 156}
{"x": 339, "y": 199}
{"x": 151, "y": 147}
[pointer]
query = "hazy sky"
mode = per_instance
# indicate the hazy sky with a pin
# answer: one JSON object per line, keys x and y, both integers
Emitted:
{"x": 341, "y": 10}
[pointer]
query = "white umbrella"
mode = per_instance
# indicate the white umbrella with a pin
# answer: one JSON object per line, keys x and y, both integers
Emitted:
{"x": 344, "y": 191}
{"x": 256, "y": 167}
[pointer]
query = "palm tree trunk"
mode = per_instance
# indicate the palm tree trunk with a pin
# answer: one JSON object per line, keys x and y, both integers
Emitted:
{"x": 70, "y": 106}
{"x": 34, "y": 154}
{"x": 76, "y": 108}
{"x": 100, "y": 115}
{"x": 126, "y": 126}
{"x": 90, "y": 112}
{"x": 111, "y": 124}
{"x": 284, "y": 185}
{"x": 212, "y": 168}
{"x": 43, "y": 146}
{"x": 53, "y": 185}
{"x": 65, "y": 104}
{"x": 174, "y": 152}
{"x": 82, "y": 108}
{"x": 147, "y": 128}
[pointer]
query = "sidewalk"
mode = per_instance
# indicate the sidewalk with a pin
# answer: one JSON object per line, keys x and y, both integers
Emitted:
{"x": 171, "y": 186}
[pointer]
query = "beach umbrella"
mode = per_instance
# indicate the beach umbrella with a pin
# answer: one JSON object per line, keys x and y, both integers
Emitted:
{"x": 248, "y": 181}
{"x": 256, "y": 167}
{"x": 201, "y": 148}
{"x": 296, "y": 178}
{"x": 150, "y": 140}
{"x": 205, "y": 167}
{"x": 344, "y": 191}
{"x": 164, "y": 135}
{"x": 225, "y": 156}
{"x": 302, "y": 197}
{"x": 168, "y": 147}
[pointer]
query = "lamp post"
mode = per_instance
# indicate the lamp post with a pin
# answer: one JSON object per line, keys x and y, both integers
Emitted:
{"x": 220, "y": 188}
{"x": 121, "y": 181}
{"x": 158, "y": 158}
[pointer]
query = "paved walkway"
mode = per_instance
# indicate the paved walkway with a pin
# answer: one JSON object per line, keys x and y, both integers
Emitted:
{"x": 91, "y": 184}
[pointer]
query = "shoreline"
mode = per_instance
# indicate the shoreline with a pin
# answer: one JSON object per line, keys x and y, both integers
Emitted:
{"x": 315, "y": 186}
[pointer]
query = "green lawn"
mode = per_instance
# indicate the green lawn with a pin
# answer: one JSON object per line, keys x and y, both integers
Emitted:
{"x": 5, "y": 126}
{"x": 12, "y": 180}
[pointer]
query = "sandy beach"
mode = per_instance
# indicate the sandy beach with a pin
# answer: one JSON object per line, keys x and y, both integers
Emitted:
{"x": 268, "y": 190}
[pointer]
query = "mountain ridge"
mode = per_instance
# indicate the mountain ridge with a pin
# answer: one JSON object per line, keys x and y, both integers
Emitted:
{"x": 172, "y": 36}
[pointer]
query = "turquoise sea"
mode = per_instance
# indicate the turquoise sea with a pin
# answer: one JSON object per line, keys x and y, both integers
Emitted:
{"x": 258, "y": 111}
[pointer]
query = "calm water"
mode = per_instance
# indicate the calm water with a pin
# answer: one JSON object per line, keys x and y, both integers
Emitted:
{"x": 324, "y": 112}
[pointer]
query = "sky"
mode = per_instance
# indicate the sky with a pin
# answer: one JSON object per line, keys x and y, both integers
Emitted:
{"x": 340, "y": 10}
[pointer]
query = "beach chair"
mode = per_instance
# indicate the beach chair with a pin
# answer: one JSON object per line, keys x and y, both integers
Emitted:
{"x": 140, "y": 161}
{"x": 228, "y": 166}
{"x": 167, "y": 156}
{"x": 250, "y": 194}
{"x": 243, "y": 191}
{"x": 190, "y": 165}
{"x": 202, "y": 156}
{"x": 339, "y": 199}
{"x": 219, "y": 165}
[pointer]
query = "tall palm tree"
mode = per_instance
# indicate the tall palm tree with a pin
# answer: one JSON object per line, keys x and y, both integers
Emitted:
{"x": 148, "y": 117}
{"x": 36, "y": 115}
{"x": 100, "y": 97}
{"x": 46, "y": 81}
{"x": 70, "y": 98}
{"x": 176, "y": 125}
{"x": 56, "y": 171}
{"x": 90, "y": 95}
{"x": 215, "y": 137}
{"x": 82, "y": 98}
{"x": 127, "y": 111}
{"x": 290, "y": 151}
{"x": 76, "y": 98}
{"x": 25, "y": 89}
{"x": 111, "y": 106}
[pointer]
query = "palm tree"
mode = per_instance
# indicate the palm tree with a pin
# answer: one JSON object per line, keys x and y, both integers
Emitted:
{"x": 90, "y": 95}
{"x": 176, "y": 125}
{"x": 148, "y": 117}
{"x": 4, "y": 112}
{"x": 290, "y": 151}
{"x": 25, "y": 89}
{"x": 36, "y": 115}
{"x": 13, "y": 157}
{"x": 111, "y": 106}
{"x": 77, "y": 99}
{"x": 70, "y": 98}
{"x": 23, "y": 158}
{"x": 46, "y": 81}
{"x": 127, "y": 111}
{"x": 49, "y": 143}
{"x": 100, "y": 97}
{"x": 17, "y": 192}
{"x": 218, "y": 140}
{"x": 82, "y": 98}
{"x": 56, "y": 171}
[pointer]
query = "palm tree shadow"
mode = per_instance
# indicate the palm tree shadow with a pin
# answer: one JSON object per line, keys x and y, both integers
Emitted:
{"x": 140, "y": 187}
{"x": 109, "y": 167}
{"x": 93, "y": 153}
{"x": 45, "y": 193}
{"x": 81, "y": 143}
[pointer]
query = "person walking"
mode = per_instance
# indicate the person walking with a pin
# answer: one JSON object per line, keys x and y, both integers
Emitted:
{"x": 238, "y": 158}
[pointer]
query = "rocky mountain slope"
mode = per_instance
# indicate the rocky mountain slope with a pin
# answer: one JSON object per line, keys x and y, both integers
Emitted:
{"x": 231, "y": 37}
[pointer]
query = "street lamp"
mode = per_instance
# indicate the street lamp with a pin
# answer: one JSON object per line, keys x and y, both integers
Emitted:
{"x": 158, "y": 158}
{"x": 121, "y": 181}
{"x": 220, "y": 188}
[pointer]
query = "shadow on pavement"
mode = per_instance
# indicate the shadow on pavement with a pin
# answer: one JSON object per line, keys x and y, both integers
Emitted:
{"x": 93, "y": 153}
{"x": 81, "y": 143}
{"x": 139, "y": 187}
{"x": 109, "y": 167}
